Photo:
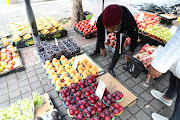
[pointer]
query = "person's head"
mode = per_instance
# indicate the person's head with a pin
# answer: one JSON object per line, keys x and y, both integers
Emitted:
{"x": 112, "y": 18}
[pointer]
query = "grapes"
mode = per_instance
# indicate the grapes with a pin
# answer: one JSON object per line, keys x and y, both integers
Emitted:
{"x": 37, "y": 100}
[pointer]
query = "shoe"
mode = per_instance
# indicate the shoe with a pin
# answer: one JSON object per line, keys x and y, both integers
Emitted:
{"x": 156, "y": 116}
{"x": 160, "y": 97}
{"x": 112, "y": 73}
{"x": 95, "y": 52}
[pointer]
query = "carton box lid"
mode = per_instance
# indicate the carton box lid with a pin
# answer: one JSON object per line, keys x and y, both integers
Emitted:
{"x": 46, "y": 107}
{"x": 112, "y": 85}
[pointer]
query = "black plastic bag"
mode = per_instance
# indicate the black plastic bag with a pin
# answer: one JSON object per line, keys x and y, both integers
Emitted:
{"x": 134, "y": 67}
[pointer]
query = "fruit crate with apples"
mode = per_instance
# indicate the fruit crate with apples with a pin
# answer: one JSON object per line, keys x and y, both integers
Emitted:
{"x": 10, "y": 60}
{"x": 86, "y": 29}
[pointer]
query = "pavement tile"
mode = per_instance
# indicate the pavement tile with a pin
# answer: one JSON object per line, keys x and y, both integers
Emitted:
{"x": 133, "y": 109}
{"x": 158, "y": 86}
{"x": 141, "y": 102}
{"x": 26, "y": 95}
{"x": 118, "y": 72}
{"x": 35, "y": 85}
{"x": 45, "y": 81}
{"x": 40, "y": 70}
{"x": 23, "y": 83}
{"x": 136, "y": 80}
{"x": 67, "y": 117}
{"x": 166, "y": 112}
{"x": 172, "y": 106}
{"x": 14, "y": 94}
{"x": 14, "y": 100}
{"x": 144, "y": 85}
{"x": 104, "y": 63}
{"x": 4, "y": 98}
{"x": 118, "y": 64}
{"x": 33, "y": 79}
{"x": 138, "y": 89}
{"x": 147, "y": 96}
{"x": 39, "y": 90}
{"x": 29, "y": 69}
{"x": 37, "y": 66}
{"x": 130, "y": 83}
{"x": 125, "y": 115}
{"x": 164, "y": 82}
{"x": 4, "y": 104}
{"x": 20, "y": 73}
{"x": 31, "y": 74}
{"x": 128, "y": 74}
{"x": 157, "y": 104}
{"x": 57, "y": 102}
{"x": 12, "y": 75}
{"x": 25, "y": 89}
{"x": 132, "y": 118}
{"x": 13, "y": 87}
{"x": 3, "y": 91}
{"x": 99, "y": 58}
{"x": 12, "y": 81}
{"x": 149, "y": 110}
{"x": 22, "y": 77}
{"x": 143, "y": 75}
{"x": 53, "y": 94}
{"x": 48, "y": 87}
{"x": 3, "y": 85}
{"x": 62, "y": 111}
{"x": 141, "y": 115}
{"x": 122, "y": 77}
{"x": 121, "y": 69}
{"x": 3, "y": 79}
{"x": 42, "y": 75}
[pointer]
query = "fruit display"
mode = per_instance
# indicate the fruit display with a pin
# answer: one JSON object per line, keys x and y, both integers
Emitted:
{"x": 84, "y": 104}
{"x": 45, "y": 25}
{"x": 49, "y": 51}
{"x": 62, "y": 73}
{"x": 145, "y": 54}
{"x": 5, "y": 41}
{"x": 21, "y": 110}
{"x": 146, "y": 20}
{"x": 85, "y": 28}
{"x": 9, "y": 59}
{"x": 159, "y": 32}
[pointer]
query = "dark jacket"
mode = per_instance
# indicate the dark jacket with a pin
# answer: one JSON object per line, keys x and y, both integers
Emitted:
{"x": 128, "y": 26}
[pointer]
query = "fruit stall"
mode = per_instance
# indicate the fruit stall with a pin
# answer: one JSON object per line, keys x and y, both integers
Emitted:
{"x": 86, "y": 93}
{"x": 48, "y": 29}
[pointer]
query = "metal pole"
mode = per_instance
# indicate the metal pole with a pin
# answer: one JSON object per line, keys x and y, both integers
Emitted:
{"x": 32, "y": 22}
{"x": 102, "y": 5}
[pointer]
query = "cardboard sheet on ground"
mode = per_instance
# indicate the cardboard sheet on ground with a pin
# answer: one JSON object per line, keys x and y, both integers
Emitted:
{"x": 47, "y": 106}
{"x": 112, "y": 85}
{"x": 84, "y": 55}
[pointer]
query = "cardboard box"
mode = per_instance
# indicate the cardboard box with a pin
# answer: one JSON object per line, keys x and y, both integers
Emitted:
{"x": 112, "y": 85}
{"x": 84, "y": 55}
{"x": 47, "y": 106}
{"x": 176, "y": 23}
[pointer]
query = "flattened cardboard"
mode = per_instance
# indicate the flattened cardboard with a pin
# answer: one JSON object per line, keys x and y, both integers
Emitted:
{"x": 112, "y": 85}
{"x": 47, "y": 106}
{"x": 83, "y": 56}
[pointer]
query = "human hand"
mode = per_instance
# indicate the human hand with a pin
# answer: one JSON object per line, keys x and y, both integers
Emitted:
{"x": 103, "y": 51}
{"x": 152, "y": 73}
{"x": 127, "y": 59}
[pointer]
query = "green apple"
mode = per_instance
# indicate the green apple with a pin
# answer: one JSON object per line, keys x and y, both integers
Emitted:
{"x": 1, "y": 69}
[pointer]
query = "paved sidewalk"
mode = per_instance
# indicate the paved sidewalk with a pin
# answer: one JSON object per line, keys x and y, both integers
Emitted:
{"x": 19, "y": 84}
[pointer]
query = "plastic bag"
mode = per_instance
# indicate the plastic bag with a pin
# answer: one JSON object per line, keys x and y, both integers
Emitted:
{"x": 134, "y": 67}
